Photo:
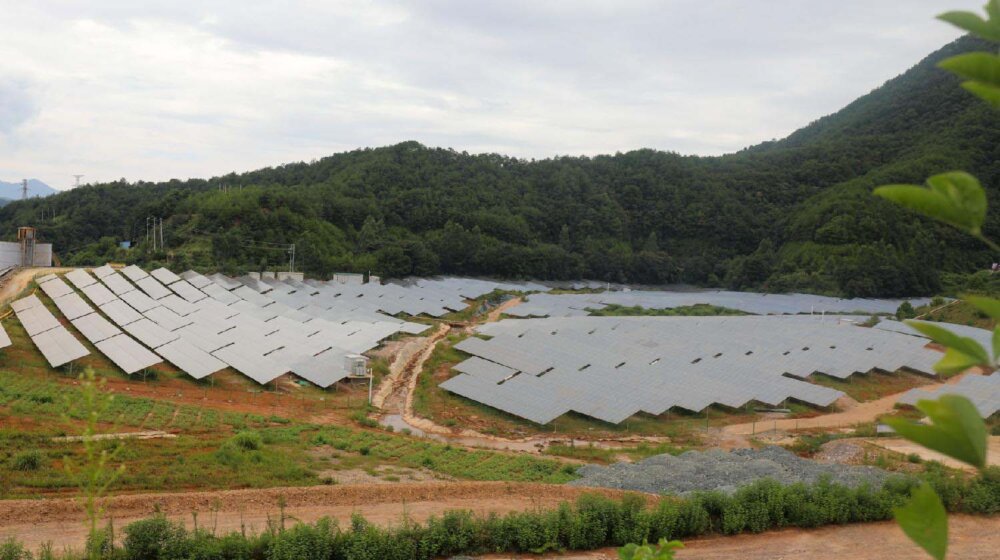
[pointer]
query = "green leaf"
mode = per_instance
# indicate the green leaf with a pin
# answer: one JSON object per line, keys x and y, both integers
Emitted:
{"x": 986, "y": 92}
{"x": 987, "y": 305}
{"x": 924, "y": 519}
{"x": 977, "y": 66}
{"x": 956, "y": 429}
{"x": 952, "y": 341}
{"x": 954, "y": 362}
{"x": 974, "y": 24}
{"x": 955, "y": 198}
{"x": 993, "y": 10}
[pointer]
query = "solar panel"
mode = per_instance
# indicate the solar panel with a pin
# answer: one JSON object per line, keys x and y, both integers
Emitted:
{"x": 72, "y": 306}
{"x": 103, "y": 271}
{"x": 36, "y": 319}
{"x": 139, "y": 301}
{"x": 127, "y": 354}
{"x": 152, "y": 287}
{"x": 187, "y": 291}
{"x": 98, "y": 294}
{"x": 58, "y": 346}
{"x": 224, "y": 281}
{"x": 220, "y": 294}
{"x": 117, "y": 283}
{"x": 248, "y": 360}
{"x": 167, "y": 318}
{"x": 322, "y": 370}
{"x": 55, "y": 288}
{"x": 4, "y": 338}
{"x": 134, "y": 273}
{"x": 165, "y": 276}
{"x": 80, "y": 278}
{"x": 46, "y": 278}
{"x": 190, "y": 359}
{"x": 94, "y": 327}
{"x": 149, "y": 333}
{"x": 119, "y": 312}
{"x": 26, "y": 302}
{"x": 178, "y": 305}
{"x": 196, "y": 280}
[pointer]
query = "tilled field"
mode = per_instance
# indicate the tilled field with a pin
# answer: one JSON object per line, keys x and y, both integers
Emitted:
{"x": 721, "y": 470}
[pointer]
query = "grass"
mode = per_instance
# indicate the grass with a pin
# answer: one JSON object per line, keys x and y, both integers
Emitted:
{"x": 697, "y": 310}
{"x": 864, "y": 387}
{"x": 594, "y": 454}
{"x": 960, "y": 313}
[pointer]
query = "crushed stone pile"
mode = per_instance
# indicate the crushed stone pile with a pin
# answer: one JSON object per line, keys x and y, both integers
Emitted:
{"x": 721, "y": 470}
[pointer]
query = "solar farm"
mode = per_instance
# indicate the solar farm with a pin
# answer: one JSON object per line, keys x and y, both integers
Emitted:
{"x": 538, "y": 369}
{"x": 261, "y": 328}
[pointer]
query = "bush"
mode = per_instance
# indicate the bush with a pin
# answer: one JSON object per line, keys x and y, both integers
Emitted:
{"x": 155, "y": 538}
{"x": 13, "y": 550}
{"x": 247, "y": 441}
{"x": 305, "y": 542}
{"x": 27, "y": 461}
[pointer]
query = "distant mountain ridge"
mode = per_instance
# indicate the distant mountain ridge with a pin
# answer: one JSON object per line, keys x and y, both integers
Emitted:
{"x": 12, "y": 191}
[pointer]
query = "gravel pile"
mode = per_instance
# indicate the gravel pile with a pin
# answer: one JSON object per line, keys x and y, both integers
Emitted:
{"x": 720, "y": 470}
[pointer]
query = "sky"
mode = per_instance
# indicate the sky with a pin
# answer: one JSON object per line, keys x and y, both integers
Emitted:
{"x": 150, "y": 90}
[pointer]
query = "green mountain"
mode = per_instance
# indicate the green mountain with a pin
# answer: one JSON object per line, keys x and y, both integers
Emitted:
{"x": 794, "y": 214}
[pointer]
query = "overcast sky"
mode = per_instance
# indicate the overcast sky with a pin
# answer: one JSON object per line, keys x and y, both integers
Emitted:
{"x": 178, "y": 89}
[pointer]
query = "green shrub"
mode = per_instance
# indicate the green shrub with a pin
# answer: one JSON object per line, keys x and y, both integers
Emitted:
{"x": 13, "y": 550}
{"x": 30, "y": 460}
{"x": 155, "y": 539}
{"x": 247, "y": 441}
{"x": 305, "y": 542}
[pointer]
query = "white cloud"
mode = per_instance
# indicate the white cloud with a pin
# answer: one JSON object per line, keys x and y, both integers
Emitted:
{"x": 194, "y": 89}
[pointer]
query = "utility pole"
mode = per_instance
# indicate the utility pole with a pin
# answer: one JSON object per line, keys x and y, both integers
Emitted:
{"x": 291, "y": 258}
{"x": 161, "y": 233}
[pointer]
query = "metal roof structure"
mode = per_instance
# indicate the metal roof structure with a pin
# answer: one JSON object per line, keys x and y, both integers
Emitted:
{"x": 127, "y": 354}
{"x": 613, "y": 367}
{"x": 59, "y": 346}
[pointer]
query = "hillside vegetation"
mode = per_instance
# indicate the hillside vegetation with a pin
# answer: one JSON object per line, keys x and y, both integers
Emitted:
{"x": 794, "y": 214}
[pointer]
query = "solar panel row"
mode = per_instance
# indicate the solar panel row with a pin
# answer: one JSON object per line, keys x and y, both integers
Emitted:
{"x": 611, "y": 368}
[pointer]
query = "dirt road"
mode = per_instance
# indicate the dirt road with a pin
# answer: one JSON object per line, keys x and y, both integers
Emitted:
{"x": 907, "y": 447}
{"x": 60, "y": 521}
{"x": 19, "y": 280}
{"x": 970, "y": 538}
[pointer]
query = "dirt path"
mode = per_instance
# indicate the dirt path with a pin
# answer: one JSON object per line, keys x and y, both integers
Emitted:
{"x": 60, "y": 521}
{"x": 390, "y": 396}
{"x": 907, "y": 448}
{"x": 18, "y": 280}
{"x": 853, "y": 413}
{"x": 970, "y": 538}
{"x": 494, "y": 315}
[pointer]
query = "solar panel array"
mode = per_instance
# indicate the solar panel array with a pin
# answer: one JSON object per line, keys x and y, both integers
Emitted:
{"x": 982, "y": 390}
{"x": 52, "y": 339}
{"x": 262, "y": 328}
{"x": 613, "y": 367}
{"x": 576, "y": 305}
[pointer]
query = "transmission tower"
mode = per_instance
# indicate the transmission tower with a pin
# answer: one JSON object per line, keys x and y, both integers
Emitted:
{"x": 24, "y": 189}
{"x": 77, "y": 183}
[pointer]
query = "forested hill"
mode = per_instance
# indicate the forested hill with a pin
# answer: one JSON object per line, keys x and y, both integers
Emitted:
{"x": 795, "y": 214}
